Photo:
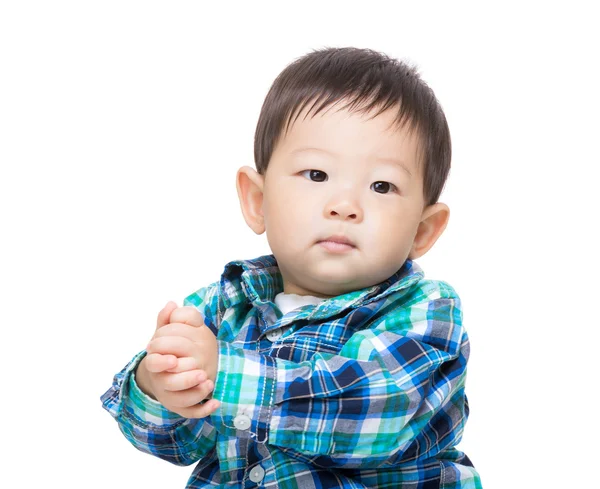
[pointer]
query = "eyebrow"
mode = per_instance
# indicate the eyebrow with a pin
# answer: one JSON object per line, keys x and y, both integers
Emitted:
{"x": 394, "y": 161}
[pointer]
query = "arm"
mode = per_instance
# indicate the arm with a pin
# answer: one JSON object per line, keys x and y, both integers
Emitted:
{"x": 150, "y": 427}
{"x": 146, "y": 423}
{"x": 364, "y": 406}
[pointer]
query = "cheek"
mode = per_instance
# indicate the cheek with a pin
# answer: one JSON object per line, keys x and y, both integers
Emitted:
{"x": 285, "y": 223}
{"x": 290, "y": 207}
{"x": 387, "y": 227}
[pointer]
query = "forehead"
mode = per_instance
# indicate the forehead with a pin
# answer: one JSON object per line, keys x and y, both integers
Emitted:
{"x": 352, "y": 134}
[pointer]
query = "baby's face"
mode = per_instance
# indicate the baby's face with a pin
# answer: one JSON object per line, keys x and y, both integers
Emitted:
{"x": 339, "y": 174}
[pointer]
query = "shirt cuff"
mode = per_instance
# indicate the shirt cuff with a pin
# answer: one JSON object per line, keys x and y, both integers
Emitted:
{"x": 141, "y": 408}
{"x": 245, "y": 387}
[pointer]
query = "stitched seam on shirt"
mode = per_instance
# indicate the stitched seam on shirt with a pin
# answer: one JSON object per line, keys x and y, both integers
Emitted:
{"x": 260, "y": 410}
{"x": 223, "y": 417}
{"x": 301, "y": 344}
{"x": 246, "y": 471}
{"x": 272, "y": 468}
{"x": 271, "y": 400}
{"x": 269, "y": 408}
{"x": 141, "y": 423}
{"x": 219, "y": 313}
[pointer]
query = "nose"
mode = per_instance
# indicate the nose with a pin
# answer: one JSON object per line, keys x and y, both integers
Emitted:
{"x": 345, "y": 208}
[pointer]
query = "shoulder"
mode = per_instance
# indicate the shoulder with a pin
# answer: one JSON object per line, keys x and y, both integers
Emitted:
{"x": 426, "y": 291}
{"x": 430, "y": 311}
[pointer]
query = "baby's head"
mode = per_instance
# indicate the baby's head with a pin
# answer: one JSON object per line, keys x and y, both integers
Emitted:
{"x": 353, "y": 145}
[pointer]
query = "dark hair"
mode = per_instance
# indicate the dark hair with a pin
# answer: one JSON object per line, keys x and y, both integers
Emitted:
{"x": 358, "y": 75}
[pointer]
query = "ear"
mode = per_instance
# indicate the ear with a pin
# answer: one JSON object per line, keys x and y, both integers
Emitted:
{"x": 432, "y": 225}
{"x": 250, "y": 186}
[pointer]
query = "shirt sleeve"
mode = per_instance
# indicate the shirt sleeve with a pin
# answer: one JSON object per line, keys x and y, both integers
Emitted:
{"x": 369, "y": 404}
{"x": 146, "y": 423}
{"x": 152, "y": 428}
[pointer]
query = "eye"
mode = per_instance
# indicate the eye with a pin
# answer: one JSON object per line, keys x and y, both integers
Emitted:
{"x": 384, "y": 187}
{"x": 316, "y": 175}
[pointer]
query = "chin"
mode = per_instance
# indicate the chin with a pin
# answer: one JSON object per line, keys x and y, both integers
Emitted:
{"x": 335, "y": 285}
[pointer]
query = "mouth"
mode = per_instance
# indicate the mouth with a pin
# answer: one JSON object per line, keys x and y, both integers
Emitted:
{"x": 337, "y": 243}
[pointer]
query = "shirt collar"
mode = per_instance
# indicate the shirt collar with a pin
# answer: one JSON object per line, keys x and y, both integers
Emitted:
{"x": 259, "y": 280}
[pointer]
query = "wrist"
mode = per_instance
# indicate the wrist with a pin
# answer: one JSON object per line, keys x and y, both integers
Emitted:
{"x": 142, "y": 379}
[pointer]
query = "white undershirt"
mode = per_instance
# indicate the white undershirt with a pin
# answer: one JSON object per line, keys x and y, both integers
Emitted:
{"x": 289, "y": 302}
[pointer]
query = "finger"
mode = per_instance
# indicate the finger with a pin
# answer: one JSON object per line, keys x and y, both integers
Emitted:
{"x": 165, "y": 314}
{"x": 187, "y": 397}
{"x": 188, "y": 315}
{"x": 184, "y": 364}
{"x": 155, "y": 362}
{"x": 183, "y": 381}
{"x": 178, "y": 329}
{"x": 172, "y": 345}
{"x": 202, "y": 410}
{"x": 206, "y": 388}
{"x": 191, "y": 398}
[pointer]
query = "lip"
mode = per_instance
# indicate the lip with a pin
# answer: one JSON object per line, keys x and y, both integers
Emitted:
{"x": 337, "y": 244}
{"x": 337, "y": 238}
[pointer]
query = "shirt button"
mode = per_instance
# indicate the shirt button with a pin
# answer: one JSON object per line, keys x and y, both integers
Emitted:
{"x": 257, "y": 474}
{"x": 274, "y": 334}
{"x": 241, "y": 422}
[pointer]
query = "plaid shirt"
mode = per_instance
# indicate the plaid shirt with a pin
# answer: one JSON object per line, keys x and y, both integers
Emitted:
{"x": 362, "y": 390}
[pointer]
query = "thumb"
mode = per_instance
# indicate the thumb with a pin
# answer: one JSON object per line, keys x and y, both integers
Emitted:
{"x": 188, "y": 315}
{"x": 164, "y": 316}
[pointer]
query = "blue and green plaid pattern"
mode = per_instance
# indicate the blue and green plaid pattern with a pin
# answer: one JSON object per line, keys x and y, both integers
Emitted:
{"x": 366, "y": 389}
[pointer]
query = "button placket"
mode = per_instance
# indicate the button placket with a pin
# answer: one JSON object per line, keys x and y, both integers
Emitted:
{"x": 241, "y": 422}
{"x": 274, "y": 335}
{"x": 257, "y": 474}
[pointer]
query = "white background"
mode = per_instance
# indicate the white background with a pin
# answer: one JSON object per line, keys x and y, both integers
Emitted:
{"x": 122, "y": 125}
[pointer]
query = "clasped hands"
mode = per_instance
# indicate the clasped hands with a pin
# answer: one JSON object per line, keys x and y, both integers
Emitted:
{"x": 181, "y": 364}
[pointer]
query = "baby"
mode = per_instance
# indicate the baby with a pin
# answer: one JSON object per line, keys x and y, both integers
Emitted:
{"x": 332, "y": 362}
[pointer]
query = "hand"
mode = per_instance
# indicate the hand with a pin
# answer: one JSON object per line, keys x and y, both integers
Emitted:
{"x": 178, "y": 383}
{"x": 188, "y": 339}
